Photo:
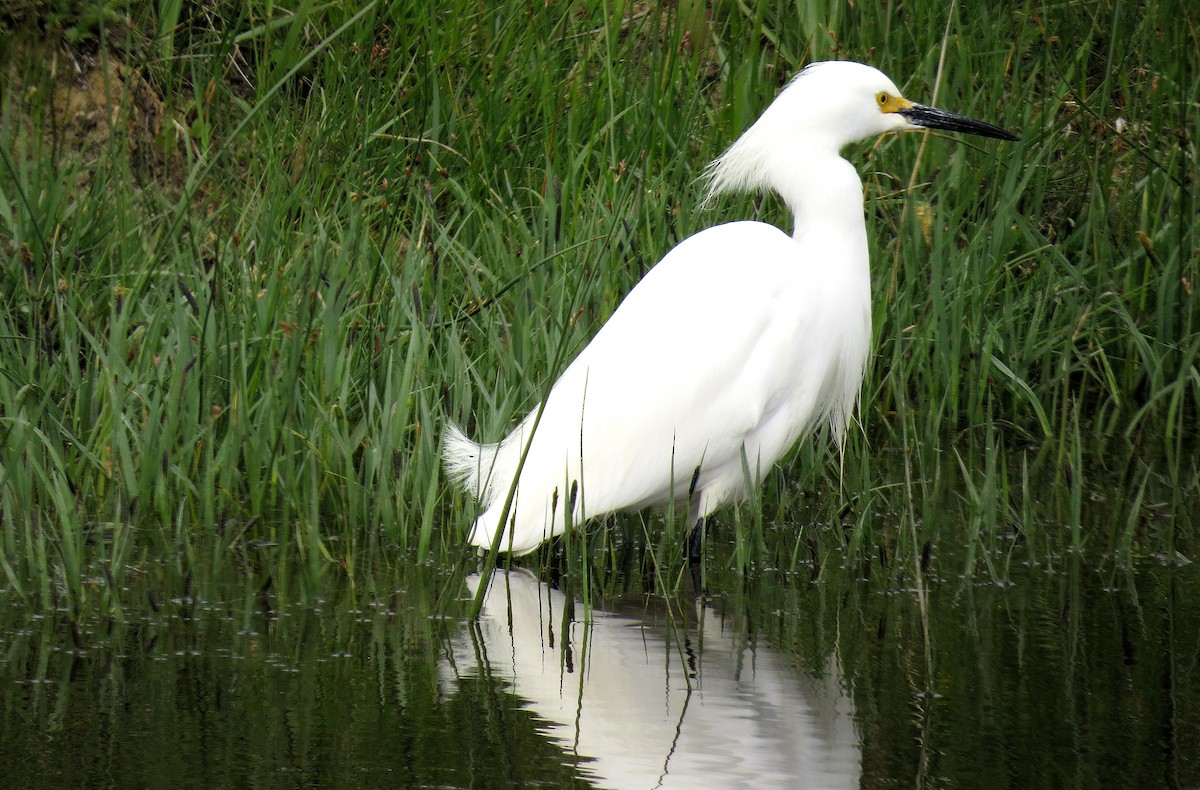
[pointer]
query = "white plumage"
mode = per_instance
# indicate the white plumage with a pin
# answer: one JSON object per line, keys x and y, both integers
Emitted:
{"x": 742, "y": 339}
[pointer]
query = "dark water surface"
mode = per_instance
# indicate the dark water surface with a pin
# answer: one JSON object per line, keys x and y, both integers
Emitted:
{"x": 1077, "y": 678}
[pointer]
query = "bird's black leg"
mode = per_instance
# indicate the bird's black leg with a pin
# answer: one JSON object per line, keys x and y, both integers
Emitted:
{"x": 695, "y": 545}
{"x": 695, "y": 553}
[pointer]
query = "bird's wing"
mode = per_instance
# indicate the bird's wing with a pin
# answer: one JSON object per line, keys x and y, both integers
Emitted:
{"x": 697, "y": 357}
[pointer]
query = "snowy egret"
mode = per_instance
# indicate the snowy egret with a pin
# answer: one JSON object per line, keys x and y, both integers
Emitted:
{"x": 740, "y": 341}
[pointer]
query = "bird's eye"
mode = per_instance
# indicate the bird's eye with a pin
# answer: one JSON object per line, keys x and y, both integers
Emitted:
{"x": 882, "y": 98}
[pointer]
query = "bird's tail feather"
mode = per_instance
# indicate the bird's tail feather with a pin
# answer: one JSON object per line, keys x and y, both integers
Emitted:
{"x": 485, "y": 471}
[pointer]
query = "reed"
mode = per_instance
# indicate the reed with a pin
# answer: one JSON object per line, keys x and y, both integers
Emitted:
{"x": 257, "y": 257}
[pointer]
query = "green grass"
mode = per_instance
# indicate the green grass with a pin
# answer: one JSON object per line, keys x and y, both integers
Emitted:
{"x": 233, "y": 322}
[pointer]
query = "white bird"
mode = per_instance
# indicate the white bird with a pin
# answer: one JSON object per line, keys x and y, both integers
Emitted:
{"x": 739, "y": 342}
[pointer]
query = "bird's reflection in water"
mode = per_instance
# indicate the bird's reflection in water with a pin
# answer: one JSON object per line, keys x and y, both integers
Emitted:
{"x": 682, "y": 702}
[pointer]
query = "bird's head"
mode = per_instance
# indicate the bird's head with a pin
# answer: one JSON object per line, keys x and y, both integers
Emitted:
{"x": 825, "y": 107}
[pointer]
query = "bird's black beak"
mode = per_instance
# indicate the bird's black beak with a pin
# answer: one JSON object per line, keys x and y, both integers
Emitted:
{"x": 933, "y": 118}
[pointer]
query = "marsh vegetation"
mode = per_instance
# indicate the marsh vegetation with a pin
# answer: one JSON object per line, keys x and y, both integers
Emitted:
{"x": 256, "y": 256}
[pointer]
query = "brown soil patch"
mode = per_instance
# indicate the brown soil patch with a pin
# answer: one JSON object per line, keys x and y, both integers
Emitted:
{"x": 97, "y": 106}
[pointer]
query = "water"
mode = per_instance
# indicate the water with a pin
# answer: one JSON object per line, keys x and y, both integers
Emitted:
{"x": 662, "y": 701}
{"x": 1077, "y": 677}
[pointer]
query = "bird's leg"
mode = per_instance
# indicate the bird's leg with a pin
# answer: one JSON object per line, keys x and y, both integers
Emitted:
{"x": 695, "y": 545}
{"x": 695, "y": 552}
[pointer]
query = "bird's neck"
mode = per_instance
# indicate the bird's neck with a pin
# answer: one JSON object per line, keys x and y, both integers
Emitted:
{"x": 825, "y": 196}
{"x": 831, "y": 236}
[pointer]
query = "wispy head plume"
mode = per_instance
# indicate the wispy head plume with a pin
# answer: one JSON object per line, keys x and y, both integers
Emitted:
{"x": 745, "y": 166}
